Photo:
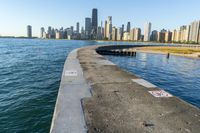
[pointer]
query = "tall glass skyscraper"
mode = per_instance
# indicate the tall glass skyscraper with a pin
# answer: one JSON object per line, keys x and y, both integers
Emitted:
{"x": 128, "y": 27}
{"x": 94, "y": 21}
{"x": 87, "y": 27}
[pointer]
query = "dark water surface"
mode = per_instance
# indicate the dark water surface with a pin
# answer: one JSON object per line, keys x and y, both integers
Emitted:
{"x": 30, "y": 72}
{"x": 178, "y": 75}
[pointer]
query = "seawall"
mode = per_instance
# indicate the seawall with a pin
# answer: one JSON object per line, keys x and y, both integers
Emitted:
{"x": 97, "y": 96}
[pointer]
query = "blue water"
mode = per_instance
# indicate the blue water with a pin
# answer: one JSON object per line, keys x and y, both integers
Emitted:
{"x": 178, "y": 75}
{"x": 30, "y": 72}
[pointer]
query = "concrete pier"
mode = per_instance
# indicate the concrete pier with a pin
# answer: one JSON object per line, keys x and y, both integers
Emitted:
{"x": 119, "y": 102}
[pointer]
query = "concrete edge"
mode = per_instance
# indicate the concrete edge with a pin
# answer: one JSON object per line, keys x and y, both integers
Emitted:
{"x": 60, "y": 121}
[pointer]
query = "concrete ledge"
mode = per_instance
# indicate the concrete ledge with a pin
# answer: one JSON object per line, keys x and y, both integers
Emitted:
{"x": 120, "y": 103}
{"x": 68, "y": 114}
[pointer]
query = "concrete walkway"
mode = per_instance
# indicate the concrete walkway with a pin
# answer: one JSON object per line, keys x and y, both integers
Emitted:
{"x": 120, "y": 103}
{"x": 68, "y": 115}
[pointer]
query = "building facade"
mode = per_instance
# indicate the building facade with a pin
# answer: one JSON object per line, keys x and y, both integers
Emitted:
{"x": 29, "y": 31}
{"x": 147, "y": 31}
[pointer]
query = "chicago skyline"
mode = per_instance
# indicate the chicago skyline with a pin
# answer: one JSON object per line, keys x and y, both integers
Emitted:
{"x": 162, "y": 14}
{"x": 93, "y": 31}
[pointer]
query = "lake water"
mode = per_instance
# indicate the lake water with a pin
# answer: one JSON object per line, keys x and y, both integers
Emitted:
{"x": 30, "y": 72}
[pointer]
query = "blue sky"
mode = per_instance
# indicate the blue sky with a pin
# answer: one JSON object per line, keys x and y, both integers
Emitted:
{"x": 15, "y": 15}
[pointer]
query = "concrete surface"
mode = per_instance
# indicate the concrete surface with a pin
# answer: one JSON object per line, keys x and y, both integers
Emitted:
{"x": 68, "y": 114}
{"x": 120, "y": 103}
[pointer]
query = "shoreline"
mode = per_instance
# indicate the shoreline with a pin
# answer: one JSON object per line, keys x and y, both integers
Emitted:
{"x": 150, "y": 42}
{"x": 151, "y": 51}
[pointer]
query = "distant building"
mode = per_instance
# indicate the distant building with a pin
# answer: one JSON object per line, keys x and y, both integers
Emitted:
{"x": 109, "y": 28}
{"x": 99, "y": 33}
{"x": 194, "y": 31}
{"x": 119, "y": 34}
{"x": 199, "y": 37}
{"x": 77, "y": 27}
{"x": 105, "y": 30}
{"x": 154, "y": 36}
{"x": 128, "y": 29}
{"x": 29, "y": 31}
{"x": 147, "y": 31}
{"x": 72, "y": 29}
{"x": 168, "y": 36}
{"x": 137, "y": 34}
{"x": 132, "y": 34}
{"x": 88, "y": 27}
{"x": 94, "y": 21}
{"x": 162, "y": 35}
{"x": 126, "y": 36}
{"x": 58, "y": 34}
{"x": 114, "y": 34}
{"x": 42, "y": 30}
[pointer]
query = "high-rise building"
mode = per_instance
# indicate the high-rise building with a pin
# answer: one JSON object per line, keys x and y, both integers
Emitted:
{"x": 132, "y": 34}
{"x": 119, "y": 34}
{"x": 72, "y": 29}
{"x": 137, "y": 34}
{"x": 114, "y": 34}
{"x": 29, "y": 31}
{"x": 94, "y": 21}
{"x": 58, "y": 34}
{"x": 168, "y": 36}
{"x": 162, "y": 35}
{"x": 128, "y": 29}
{"x": 122, "y": 31}
{"x": 42, "y": 30}
{"x": 77, "y": 27}
{"x": 194, "y": 31}
{"x": 154, "y": 35}
{"x": 199, "y": 37}
{"x": 88, "y": 27}
{"x": 126, "y": 36}
{"x": 147, "y": 31}
{"x": 105, "y": 30}
{"x": 109, "y": 28}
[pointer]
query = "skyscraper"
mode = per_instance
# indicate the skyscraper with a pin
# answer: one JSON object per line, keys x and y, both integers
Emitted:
{"x": 122, "y": 31}
{"x": 42, "y": 32}
{"x": 109, "y": 28}
{"x": 114, "y": 34}
{"x": 88, "y": 26}
{"x": 105, "y": 30}
{"x": 147, "y": 31}
{"x": 29, "y": 31}
{"x": 94, "y": 21}
{"x": 128, "y": 29}
{"x": 77, "y": 27}
{"x": 137, "y": 34}
{"x": 194, "y": 31}
{"x": 119, "y": 34}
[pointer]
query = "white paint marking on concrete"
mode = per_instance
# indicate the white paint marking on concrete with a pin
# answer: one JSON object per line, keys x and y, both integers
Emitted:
{"x": 160, "y": 93}
{"x": 71, "y": 73}
{"x": 144, "y": 83}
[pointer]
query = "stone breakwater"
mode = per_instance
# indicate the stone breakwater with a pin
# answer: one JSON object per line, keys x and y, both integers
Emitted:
{"x": 97, "y": 96}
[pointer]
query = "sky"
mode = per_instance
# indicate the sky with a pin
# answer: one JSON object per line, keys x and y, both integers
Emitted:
{"x": 15, "y": 15}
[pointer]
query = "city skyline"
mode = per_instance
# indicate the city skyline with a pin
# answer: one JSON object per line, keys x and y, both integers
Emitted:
{"x": 58, "y": 14}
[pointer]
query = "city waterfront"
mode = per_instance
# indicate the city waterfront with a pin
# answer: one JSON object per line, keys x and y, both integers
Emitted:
{"x": 31, "y": 71}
